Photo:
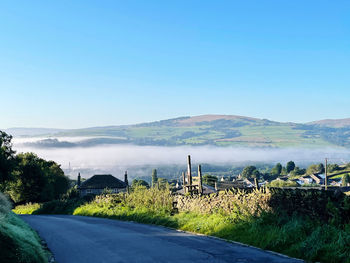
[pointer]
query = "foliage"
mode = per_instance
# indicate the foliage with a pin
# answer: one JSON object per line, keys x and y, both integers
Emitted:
{"x": 248, "y": 172}
{"x": 18, "y": 243}
{"x": 154, "y": 177}
{"x": 297, "y": 171}
{"x": 277, "y": 169}
{"x": 296, "y": 234}
{"x": 333, "y": 167}
{"x": 6, "y": 157}
{"x": 26, "y": 209}
{"x": 281, "y": 183}
{"x": 209, "y": 179}
{"x": 315, "y": 169}
{"x": 290, "y": 166}
{"x": 346, "y": 179}
{"x": 36, "y": 180}
{"x": 139, "y": 182}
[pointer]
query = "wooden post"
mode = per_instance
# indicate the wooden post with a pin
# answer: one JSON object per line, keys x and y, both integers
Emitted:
{"x": 184, "y": 182}
{"x": 216, "y": 185}
{"x": 256, "y": 183}
{"x": 325, "y": 176}
{"x": 189, "y": 174}
{"x": 200, "y": 186}
{"x": 79, "y": 180}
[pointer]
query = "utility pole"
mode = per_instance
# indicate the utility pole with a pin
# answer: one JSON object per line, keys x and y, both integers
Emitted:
{"x": 325, "y": 177}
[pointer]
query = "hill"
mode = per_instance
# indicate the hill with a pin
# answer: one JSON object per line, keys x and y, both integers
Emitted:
{"x": 338, "y": 123}
{"x": 219, "y": 130}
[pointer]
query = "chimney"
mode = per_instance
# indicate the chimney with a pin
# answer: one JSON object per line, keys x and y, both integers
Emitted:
{"x": 126, "y": 178}
{"x": 79, "y": 180}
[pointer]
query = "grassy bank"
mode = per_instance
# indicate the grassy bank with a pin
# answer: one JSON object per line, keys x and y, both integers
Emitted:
{"x": 18, "y": 242}
{"x": 294, "y": 235}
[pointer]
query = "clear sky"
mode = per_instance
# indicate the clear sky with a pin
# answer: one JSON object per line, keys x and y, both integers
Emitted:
{"x": 69, "y": 64}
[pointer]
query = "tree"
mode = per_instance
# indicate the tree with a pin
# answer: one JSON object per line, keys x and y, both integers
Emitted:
{"x": 277, "y": 169}
{"x": 297, "y": 171}
{"x": 139, "y": 182}
{"x": 248, "y": 171}
{"x": 315, "y": 169}
{"x": 209, "y": 179}
{"x": 29, "y": 180}
{"x": 290, "y": 166}
{"x": 162, "y": 183}
{"x": 7, "y": 157}
{"x": 36, "y": 180}
{"x": 255, "y": 174}
{"x": 154, "y": 177}
{"x": 346, "y": 179}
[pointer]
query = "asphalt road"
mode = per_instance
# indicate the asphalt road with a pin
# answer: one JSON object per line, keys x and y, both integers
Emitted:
{"x": 80, "y": 239}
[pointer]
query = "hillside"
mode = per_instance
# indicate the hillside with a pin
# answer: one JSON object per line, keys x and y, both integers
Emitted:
{"x": 219, "y": 130}
{"x": 338, "y": 123}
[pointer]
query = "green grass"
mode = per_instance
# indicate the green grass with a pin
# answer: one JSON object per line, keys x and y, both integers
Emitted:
{"x": 295, "y": 235}
{"x": 27, "y": 209}
{"x": 18, "y": 242}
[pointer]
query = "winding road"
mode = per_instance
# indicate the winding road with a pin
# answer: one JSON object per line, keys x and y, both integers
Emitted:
{"x": 78, "y": 239}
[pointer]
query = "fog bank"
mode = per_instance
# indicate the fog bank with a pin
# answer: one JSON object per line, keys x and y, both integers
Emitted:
{"x": 108, "y": 156}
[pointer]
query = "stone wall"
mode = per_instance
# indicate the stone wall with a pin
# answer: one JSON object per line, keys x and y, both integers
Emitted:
{"x": 318, "y": 204}
{"x": 253, "y": 201}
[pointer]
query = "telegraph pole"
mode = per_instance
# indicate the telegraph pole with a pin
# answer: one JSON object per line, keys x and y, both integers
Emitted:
{"x": 325, "y": 177}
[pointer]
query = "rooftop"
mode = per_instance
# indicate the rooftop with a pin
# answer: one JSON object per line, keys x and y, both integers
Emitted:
{"x": 102, "y": 181}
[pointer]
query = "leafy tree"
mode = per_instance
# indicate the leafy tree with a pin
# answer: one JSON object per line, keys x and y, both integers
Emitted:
{"x": 290, "y": 166}
{"x": 255, "y": 174}
{"x": 209, "y": 179}
{"x": 162, "y": 183}
{"x": 346, "y": 179}
{"x": 139, "y": 182}
{"x": 277, "y": 169}
{"x": 29, "y": 179}
{"x": 248, "y": 171}
{"x": 154, "y": 177}
{"x": 298, "y": 171}
{"x": 36, "y": 180}
{"x": 7, "y": 156}
{"x": 315, "y": 169}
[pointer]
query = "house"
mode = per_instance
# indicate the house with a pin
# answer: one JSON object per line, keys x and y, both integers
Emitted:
{"x": 99, "y": 182}
{"x": 311, "y": 179}
{"x": 318, "y": 178}
{"x": 305, "y": 180}
{"x": 336, "y": 182}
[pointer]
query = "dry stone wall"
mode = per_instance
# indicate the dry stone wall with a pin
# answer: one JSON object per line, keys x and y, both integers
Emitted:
{"x": 252, "y": 202}
{"x": 318, "y": 204}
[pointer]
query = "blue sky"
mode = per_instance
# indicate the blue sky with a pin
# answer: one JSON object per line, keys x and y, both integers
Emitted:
{"x": 70, "y": 64}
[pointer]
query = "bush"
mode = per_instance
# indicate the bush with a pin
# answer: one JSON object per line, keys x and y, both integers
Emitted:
{"x": 18, "y": 242}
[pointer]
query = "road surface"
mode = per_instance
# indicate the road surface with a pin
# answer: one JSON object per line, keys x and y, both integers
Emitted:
{"x": 79, "y": 239}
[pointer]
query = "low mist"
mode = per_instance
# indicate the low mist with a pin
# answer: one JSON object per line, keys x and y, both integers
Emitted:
{"x": 119, "y": 157}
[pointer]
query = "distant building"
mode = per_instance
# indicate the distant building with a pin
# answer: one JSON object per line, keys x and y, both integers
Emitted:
{"x": 99, "y": 182}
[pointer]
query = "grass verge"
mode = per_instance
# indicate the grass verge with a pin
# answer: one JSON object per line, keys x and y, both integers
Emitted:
{"x": 296, "y": 236}
{"x": 18, "y": 242}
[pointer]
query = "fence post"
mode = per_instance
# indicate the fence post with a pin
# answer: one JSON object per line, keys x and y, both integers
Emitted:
{"x": 200, "y": 186}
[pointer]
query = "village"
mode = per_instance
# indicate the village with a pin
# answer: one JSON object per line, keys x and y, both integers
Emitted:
{"x": 193, "y": 183}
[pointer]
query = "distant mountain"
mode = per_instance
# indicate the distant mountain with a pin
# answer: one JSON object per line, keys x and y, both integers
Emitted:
{"x": 219, "y": 130}
{"x": 338, "y": 123}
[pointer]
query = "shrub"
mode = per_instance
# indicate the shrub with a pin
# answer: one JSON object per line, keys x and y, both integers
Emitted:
{"x": 18, "y": 242}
